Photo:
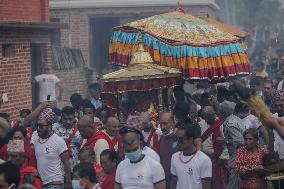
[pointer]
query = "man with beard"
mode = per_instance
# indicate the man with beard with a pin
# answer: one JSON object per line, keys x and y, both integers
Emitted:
{"x": 213, "y": 145}
{"x": 51, "y": 154}
{"x": 67, "y": 130}
{"x": 167, "y": 144}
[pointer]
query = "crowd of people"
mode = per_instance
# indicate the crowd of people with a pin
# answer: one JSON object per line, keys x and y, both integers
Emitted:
{"x": 209, "y": 139}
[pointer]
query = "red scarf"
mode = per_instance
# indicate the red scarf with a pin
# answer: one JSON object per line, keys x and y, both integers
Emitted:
{"x": 153, "y": 136}
{"x": 28, "y": 171}
{"x": 117, "y": 141}
{"x": 91, "y": 142}
{"x": 108, "y": 183}
{"x": 215, "y": 131}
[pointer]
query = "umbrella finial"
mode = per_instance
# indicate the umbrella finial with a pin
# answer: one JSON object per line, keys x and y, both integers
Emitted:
{"x": 180, "y": 9}
{"x": 141, "y": 56}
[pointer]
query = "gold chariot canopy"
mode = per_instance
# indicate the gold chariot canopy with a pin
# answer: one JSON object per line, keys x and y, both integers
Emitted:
{"x": 141, "y": 67}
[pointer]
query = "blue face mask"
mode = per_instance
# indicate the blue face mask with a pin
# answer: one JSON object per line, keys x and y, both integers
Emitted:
{"x": 76, "y": 184}
{"x": 134, "y": 156}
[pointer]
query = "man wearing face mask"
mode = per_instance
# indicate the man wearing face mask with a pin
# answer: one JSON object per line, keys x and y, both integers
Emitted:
{"x": 137, "y": 170}
{"x": 167, "y": 144}
{"x": 68, "y": 131}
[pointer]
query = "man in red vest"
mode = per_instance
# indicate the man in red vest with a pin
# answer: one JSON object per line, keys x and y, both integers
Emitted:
{"x": 214, "y": 146}
{"x": 111, "y": 131}
{"x": 97, "y": 140}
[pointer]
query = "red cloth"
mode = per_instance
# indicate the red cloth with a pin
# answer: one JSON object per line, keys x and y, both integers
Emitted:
{"x": 91, "y": 142}
{"x": 37, "y": 183}
{"x": 30, "y": 161}
{"x": 117, "y": 140}
{"x": 138, "y": 85}
{"x": 246, "y": 160}
{"x": 220, "y": 172}
{"x": 109, "y": 182}
{"x": 153, "y": 137}
{"x": 215, "y": 131}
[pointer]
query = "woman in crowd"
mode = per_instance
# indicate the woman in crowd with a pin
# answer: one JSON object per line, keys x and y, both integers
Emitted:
{"x": 86, "y": 176}
{"x": 19, "y": 133}
{"x": 109, "y": 161}
{"x": 249, "y": 160}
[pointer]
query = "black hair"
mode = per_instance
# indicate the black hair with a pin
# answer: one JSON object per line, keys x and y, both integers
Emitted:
{"x": 268, "y": 81}
{"x": 4, "y": 115}
{"x": 179, "y": 94}
{"x": 57, "y": 111}
{"x": 86, "y": 170}
{"x": 76, "y": 98}
{"x": 241, "y": 108}
{"x": 95, "y": 86}
{"x": 89, "y": 150}
{"x": 181, "y": 110}
{"x": 204, "y": 99}
{"x": 253, "y": 132}
{"x": 68, "y": 110}
{"x": 86, "y": 103}
{"x": 25, "y": 111}
{"x": 112, "y": 155}
{"x": 188, "y": 127}
{"x": 13, "y": 130}
{"x": 257, "y": 81}
{"x": 11, "y": 173}
{"x": 124, "y": 130}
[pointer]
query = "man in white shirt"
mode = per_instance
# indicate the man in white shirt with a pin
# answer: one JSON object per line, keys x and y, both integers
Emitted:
{"x": 52, "y": 154}
{"x": 48, "y": 83}
{"x": 137, "y": 171}
{"x": 190, "y": 168}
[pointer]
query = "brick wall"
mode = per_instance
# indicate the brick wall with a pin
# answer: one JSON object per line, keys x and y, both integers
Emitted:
{"x": 24, "y": 10}
{"x": 15, "y": 72}
{"x": 72, "y": 81}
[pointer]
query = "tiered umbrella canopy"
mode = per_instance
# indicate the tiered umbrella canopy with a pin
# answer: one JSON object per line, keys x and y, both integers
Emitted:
{"x": 140, "y": 75}
{"x": 180, "y": 40}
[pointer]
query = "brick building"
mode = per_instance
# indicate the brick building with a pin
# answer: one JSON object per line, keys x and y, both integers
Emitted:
{"x": 25, "y": 41}
{"x": 90, "y": 24}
